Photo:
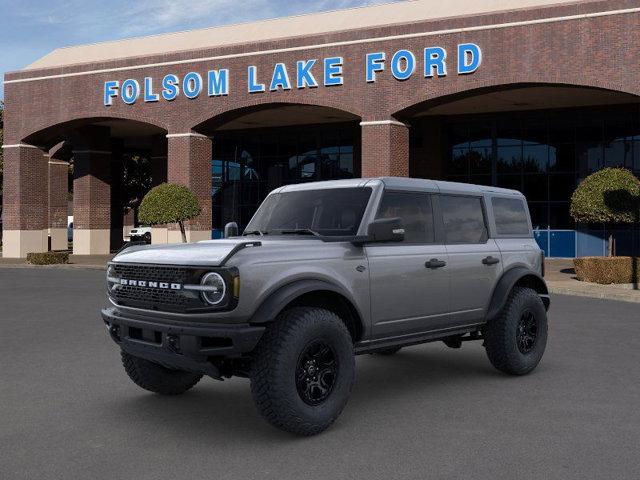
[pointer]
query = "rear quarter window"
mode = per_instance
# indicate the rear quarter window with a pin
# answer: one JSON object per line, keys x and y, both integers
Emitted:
{"x": 511, "y": 216}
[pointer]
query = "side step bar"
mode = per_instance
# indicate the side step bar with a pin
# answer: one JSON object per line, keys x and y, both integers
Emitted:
{"x": 413, "y": 338}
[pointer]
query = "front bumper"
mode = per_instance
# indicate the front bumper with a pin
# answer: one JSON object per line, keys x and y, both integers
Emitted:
{"x": 180, "y": 345}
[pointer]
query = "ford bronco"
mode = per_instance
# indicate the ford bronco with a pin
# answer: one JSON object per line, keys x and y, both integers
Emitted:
{"x": 325, "y": 271}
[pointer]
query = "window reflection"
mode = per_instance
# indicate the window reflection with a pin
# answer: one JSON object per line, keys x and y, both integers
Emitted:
{"x": 248, "y": 164}
{"x": 543, "y": 154}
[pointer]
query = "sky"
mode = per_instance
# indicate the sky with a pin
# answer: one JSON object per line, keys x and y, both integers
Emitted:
{"x": 29, "y": 29}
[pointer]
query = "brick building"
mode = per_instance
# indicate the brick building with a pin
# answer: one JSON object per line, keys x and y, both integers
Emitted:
{"x": 527, "y": 94}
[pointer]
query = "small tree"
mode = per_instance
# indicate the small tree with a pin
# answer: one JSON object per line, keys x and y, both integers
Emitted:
{"x": 611, "y": 195}
{"x": 169, "y": 203}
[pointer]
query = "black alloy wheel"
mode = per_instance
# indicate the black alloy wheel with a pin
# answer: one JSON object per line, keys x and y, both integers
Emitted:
{"x": 527, "y": 333}
{"x": 316, "y": 373}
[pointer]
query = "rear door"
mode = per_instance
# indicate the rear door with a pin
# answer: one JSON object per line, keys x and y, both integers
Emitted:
{"x": 409, "y": 280}
{"x": 475, "y": 263}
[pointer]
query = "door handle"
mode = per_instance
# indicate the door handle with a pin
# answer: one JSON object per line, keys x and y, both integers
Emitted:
{"x": 490, "y": 260}
{"x": 435, "y": 263}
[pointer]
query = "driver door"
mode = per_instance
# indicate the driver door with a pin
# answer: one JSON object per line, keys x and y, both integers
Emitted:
{"x": 408, "y": 280}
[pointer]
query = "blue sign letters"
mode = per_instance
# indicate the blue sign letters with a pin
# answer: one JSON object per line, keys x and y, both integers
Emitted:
{"x": 432, "y": 62}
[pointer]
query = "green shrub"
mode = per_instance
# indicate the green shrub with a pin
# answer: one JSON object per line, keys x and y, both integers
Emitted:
{"x": 611, "y": 195}
{"x": 169, "y": 203}
{"x": 48, "y": 258}
{"x": 607, "y": 270}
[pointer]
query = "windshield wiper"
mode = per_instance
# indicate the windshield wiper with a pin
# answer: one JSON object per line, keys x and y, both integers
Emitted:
{"x": 254, "y": 232}
{"x": 300, "y": 231}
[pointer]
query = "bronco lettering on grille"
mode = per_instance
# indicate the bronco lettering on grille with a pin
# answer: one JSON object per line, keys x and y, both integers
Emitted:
{"x": 150, "y": 284}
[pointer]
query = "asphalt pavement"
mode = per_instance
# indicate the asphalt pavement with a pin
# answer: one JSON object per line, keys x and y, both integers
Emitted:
{"x": 68, "y": 411}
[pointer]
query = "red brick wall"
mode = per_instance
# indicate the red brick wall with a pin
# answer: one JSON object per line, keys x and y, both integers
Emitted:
{"x": 189, "y": 164}
{"x": 385, "y": 150}
{"x": 599, "y": 52}
{"x": 25, "y": 178}
{"x": 58, "y": 191}
{"x": 92, "y": 190}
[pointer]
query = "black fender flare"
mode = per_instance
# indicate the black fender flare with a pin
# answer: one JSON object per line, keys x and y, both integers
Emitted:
{"x": 506, "y": 283}
{"x": 281, "y": 297}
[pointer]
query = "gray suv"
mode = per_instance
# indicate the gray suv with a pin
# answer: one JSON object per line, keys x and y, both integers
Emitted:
{"x": 323, "y": 272}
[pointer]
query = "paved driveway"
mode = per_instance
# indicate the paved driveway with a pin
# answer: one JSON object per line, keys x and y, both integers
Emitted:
{"x": 68, "y": 411}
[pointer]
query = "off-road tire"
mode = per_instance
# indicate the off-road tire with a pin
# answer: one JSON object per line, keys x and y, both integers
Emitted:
{"x": 501, "y": 333}
{"x": 156, "y": 378}
{"x": 275, "y": 366}
{"x": 388, "y": 351}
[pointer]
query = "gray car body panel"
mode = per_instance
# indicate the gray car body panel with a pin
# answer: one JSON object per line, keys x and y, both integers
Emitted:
{"x": 388, "y": 284}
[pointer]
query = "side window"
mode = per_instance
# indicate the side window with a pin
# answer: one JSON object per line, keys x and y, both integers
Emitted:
{"x": 415, "y": 211}
{"x": 511, "y": 216}
{"x": 463, "y": 219}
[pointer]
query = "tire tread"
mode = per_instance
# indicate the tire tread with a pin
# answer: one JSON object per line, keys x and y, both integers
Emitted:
{"x": 270, "y": 393}
{"x": 156, "y": 378}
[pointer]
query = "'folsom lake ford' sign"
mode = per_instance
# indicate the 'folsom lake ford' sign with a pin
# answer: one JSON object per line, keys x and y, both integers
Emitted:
{"x": 309, "y": 73}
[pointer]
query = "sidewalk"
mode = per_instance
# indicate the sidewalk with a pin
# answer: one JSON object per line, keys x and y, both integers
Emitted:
{"x": 92, "y": 262}
{"x": 560, "y": 277}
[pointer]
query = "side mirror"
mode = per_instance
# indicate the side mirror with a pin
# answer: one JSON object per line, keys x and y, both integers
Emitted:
{"x": 385, "y": 230}
{"x": 231, "y": 230}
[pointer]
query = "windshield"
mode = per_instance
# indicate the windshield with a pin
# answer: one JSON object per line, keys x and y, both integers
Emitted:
{"x": 325, "y": 212}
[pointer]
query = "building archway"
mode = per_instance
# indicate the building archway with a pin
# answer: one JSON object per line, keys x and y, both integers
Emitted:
{"x": 261, "y": 147}
{"x": 540, "y": 139}
{"x": 113, "y": 162}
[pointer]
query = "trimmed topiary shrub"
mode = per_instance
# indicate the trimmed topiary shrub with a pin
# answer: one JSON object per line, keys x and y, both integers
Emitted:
{"x": 607, "y": 270}
{"x": 169, "y": 203}
{"x": 48, "y": 258}
{"x": 610, "y": 196}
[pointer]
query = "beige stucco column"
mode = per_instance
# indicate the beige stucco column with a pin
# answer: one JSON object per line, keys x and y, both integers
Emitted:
{"x": 385, "y": 148}
{"x": 189, "y": 164}
{"x": 25, "y": 211}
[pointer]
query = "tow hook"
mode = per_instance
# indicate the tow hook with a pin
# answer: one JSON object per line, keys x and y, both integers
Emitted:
{"x": 114, "y": 332}
{"x": 173, "y": 343}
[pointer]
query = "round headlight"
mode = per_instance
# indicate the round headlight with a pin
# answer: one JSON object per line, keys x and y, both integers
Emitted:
{"x": 214, "y": 288}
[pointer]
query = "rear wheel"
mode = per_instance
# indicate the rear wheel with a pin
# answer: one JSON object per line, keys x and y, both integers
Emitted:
{"x": 156, "y": 378}
{"x": 516, "y": 340}
{"x": 303, "y": 370}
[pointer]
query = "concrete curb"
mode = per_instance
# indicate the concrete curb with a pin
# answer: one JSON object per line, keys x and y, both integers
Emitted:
{"x": 632, "y": 296}
{"x": 67, "y": 266}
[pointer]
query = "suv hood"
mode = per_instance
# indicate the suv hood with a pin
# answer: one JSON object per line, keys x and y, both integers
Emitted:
{"x": 215, "y": 252}
{"x": 210, "y": 252}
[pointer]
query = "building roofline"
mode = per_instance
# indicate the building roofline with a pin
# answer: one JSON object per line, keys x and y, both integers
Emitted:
{"x": 282, "y": 28}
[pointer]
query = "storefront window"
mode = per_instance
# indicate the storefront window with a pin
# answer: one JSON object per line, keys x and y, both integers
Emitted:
{"x": 248, "y": 164}
{"x": 543, "y": 154}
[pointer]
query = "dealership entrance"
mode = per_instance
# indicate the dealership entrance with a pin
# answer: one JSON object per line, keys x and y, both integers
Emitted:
{"x": 259, "y": 149}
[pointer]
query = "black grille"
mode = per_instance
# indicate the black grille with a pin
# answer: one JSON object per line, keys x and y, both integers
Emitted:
{"x": 152, "y": 272}
{"x": 156, "y": 298}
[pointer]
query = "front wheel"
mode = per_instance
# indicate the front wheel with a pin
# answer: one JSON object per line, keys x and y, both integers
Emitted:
{"x": 303, "y": 370}
{"x": 156, "y": 378}
{"x": 515, "y": 341}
